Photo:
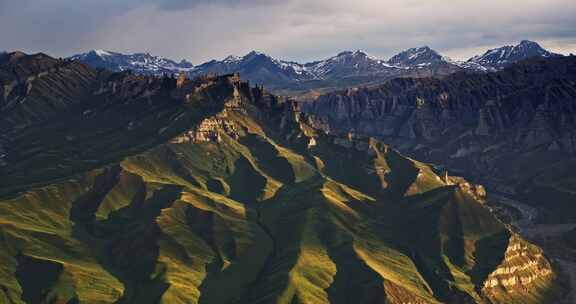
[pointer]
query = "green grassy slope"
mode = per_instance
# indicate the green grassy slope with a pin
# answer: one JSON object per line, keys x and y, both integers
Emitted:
{"x": 259, "y": 217}
{"x": 269, "y": 211}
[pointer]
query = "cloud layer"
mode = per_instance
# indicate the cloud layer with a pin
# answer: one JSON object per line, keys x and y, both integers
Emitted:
{"x": 292, "y": 29}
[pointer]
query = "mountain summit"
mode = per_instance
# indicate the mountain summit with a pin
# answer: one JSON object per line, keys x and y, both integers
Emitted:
{"x": 504, "y": 56}
{"x": 257, "y": 66}
{"x": 417, "y": 57}
{"x": 348, "y": 63}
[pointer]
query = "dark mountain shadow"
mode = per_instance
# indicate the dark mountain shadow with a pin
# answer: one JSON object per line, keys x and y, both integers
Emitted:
{"x": 354, "y": 281}
{"x": 125, "y": 244}
{"x": 37, "y": 277}
{"x": 490, "y": 252}
{"x": 275, "y": 166}
{"x": 246, "y": 183}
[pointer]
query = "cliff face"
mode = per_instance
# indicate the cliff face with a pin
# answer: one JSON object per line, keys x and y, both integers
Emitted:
{"x": 523, "y": 267}
{"x": 482, "y": 124}
{"x": 238, "y": 192}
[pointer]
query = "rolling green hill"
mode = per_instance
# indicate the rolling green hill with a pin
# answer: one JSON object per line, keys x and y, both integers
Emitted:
{"x": 210, "y": 191}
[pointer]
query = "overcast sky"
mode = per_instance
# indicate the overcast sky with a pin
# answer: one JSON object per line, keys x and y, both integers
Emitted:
{"x": 299, "y": 30}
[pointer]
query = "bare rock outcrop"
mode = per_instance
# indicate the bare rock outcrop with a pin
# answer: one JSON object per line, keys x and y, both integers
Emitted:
{"x": 523, "y": 271}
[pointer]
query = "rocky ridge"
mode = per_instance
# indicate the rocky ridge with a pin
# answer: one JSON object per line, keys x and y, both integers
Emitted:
{"x": 523, "y": 266}
{"x": 478, "y": 119}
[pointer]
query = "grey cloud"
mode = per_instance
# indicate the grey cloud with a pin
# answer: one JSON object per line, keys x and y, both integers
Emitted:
{"x": 292, "y": 29}
{"x": 186, "y": 4}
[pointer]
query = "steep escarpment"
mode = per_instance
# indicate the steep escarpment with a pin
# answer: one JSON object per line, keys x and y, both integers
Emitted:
{"x": 532, "y": 99}
{"x": 522, "y": 268}
{"x": 250, "y": 199}
{"x": 502, "y": 127}
{"x": 26, "y": 79}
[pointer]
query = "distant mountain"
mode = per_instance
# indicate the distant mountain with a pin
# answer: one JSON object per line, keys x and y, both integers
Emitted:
{"x": 505, "y": 56}
{"x": 344, "y": 65}
{"x": 421, "y": 56}
{"x": 257, "y": 67}
{"x": 425, "y": 57}
{"x": 263, "y": 68}
{"x": 347, "y": 64}
{"x": 346, "y": 69}
{"x": 141, "y": 63}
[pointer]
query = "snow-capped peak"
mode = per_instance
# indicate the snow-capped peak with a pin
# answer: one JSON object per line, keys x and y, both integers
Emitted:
{"x": 509, "y": 54}
{"x": 232, "y": 59}
{"x": 355, "y": 62}
{"x": 142, "y": 63}
{"x": 419, "y": 50}
{"x": 255, "y": 53}
{"x": 419, "y": 56}
{"x": 352, "y": 53}
{"x": 529, "y": 44}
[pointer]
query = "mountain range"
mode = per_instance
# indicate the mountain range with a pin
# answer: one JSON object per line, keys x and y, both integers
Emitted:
{"x": 141, "y": 63}
{"x": 126, "y": 188}
{"x": 346, "y": 69}
{"x": 505, "y": 56}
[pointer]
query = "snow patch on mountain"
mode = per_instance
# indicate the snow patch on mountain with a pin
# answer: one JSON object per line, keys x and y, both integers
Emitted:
{"x": 102, "y": 53}
{"x": 142, "y": 63}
